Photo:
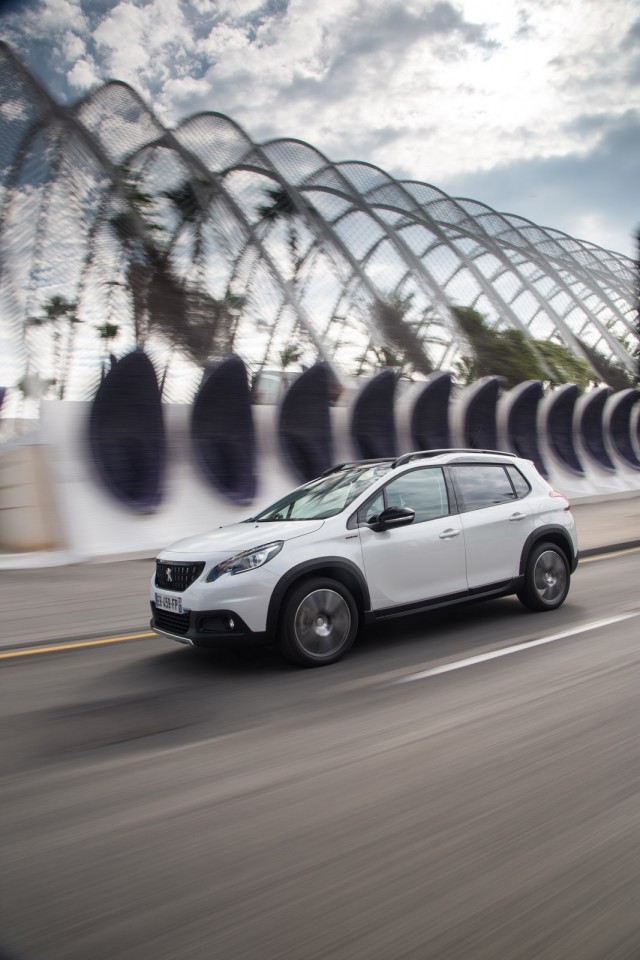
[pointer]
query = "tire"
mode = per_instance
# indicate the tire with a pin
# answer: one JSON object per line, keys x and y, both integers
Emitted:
{"x": 547, "y": 578}
{"x": 319, "y": 622}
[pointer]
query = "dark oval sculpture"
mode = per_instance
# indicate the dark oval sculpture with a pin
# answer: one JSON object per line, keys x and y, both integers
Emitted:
{"x": 373, "y": 425}
{"x": 222, "y": 431}
{"x": 591, "y": 428}
{"x": 429, "y": 423}
{"x": 621, "y": 407}
{"x": 127, "y": 438}
{"x": 479, "y": 426}
{"x": 559, "y": 427}
{"x": 522, "y": 423}
{"x": 304, "y": 423}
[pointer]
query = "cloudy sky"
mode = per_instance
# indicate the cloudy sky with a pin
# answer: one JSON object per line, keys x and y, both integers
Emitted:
{"x": 531, "y": 106}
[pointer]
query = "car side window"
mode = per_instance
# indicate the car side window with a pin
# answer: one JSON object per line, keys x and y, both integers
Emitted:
{"x": 521, "y": 485}
{"x": 482, "y": 485}
{"x": 370, "y": 511}
{"x": 423, "y": 490}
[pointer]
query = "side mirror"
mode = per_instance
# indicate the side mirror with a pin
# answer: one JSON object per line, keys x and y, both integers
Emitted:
{"x": 393, "y": 517}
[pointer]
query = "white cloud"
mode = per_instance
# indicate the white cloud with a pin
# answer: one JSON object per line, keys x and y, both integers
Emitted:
{"x": 224, "y": 40}
{"x": 428, "y": 89}
{"x": 83, "y": 75}
{"x": 60, "y": 15}
{"x": 120, "y": 39}
{"x": 73, "y": 46}
{"x": 13, "y": 110}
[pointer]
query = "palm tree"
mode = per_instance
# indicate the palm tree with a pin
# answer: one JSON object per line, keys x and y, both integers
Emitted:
{"x": 290, "y": 354}
{"x": 512, "y": 355}
{"x": 107, "y": 333}
{"x": 399, "y": 336}
{"x": 59, "y": 313}
{"x": 191, "y": 199}
{"x": 183, "y": 312}
{"x": 282, "y": 208}
{"x": 133, "y": 230}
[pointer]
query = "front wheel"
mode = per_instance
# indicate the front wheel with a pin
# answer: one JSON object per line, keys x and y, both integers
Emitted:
{"x": 319, "y": 622}
{"x": 546, "y": 579}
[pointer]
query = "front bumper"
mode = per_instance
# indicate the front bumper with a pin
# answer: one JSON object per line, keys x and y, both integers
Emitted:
{"x": 206, "y": 628}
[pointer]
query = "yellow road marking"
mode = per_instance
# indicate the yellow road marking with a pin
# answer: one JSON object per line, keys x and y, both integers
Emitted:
{"x": 76, "y": 645}
{"x": 54, "y": 648}
{"x": 609, "y": 556}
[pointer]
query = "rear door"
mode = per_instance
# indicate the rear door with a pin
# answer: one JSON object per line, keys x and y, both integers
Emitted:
{"x": 496, "y": 518}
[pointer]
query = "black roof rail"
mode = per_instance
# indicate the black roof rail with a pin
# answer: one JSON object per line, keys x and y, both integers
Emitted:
{"x": 416, "y": 455}
{"x": 424, "y": 454}
{"x": 357, "y": 463}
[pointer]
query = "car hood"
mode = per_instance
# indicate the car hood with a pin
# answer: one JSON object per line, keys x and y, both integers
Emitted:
{"x": 237, "y": 537}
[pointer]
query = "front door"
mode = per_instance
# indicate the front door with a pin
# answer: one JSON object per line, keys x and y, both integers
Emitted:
{"x": 421, "y": 561}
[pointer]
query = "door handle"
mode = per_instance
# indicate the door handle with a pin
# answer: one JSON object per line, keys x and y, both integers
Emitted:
{"x": 449, "y": 534}
{"x": 517, "y": 516}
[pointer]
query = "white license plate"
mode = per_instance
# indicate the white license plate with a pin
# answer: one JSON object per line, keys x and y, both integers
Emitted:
{"x": 172, "y": 604}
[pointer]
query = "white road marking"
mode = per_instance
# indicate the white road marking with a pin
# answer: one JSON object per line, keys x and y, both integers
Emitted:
{"x": 518, "y": 648}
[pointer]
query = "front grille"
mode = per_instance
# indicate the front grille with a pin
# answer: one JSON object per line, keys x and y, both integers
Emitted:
{"x": 177, "y": 576}
{"x": 173, "y": 622}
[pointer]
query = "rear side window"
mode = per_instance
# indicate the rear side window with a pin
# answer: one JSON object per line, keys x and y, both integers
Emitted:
{"x": 481, "y": 485}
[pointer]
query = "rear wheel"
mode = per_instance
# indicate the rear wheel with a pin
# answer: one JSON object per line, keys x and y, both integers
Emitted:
{"x": 319, "y": 622}
{"x": 546, "y": 579}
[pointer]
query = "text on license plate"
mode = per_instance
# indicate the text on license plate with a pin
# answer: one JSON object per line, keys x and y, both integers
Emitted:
{"x": 172, "y": 604}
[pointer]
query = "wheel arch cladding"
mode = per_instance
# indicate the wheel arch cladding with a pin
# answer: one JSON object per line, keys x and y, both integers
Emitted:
{"x": 555, "y": 535}
{"x": 334, "y": 568}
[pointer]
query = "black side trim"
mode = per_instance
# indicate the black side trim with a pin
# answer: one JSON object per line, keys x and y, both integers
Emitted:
{"x": 306, "y": 569}
{"x": 502, "y": 589}
{"x": 555, "y": 532}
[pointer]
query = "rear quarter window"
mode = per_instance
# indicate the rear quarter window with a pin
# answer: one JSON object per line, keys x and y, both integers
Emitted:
{"x": 520, "y": 483}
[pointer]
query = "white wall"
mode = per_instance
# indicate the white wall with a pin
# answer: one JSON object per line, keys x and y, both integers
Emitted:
{"x": 51, "y": 501}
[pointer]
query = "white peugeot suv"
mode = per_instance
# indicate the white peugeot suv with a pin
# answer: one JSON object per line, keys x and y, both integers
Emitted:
{"x": 366, "y": 541}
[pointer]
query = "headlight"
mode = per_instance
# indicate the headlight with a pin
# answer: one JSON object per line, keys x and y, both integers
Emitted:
{"x": 247, "y": 560}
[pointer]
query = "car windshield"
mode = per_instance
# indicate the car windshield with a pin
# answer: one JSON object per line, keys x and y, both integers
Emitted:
{"x": 326, "y": 496}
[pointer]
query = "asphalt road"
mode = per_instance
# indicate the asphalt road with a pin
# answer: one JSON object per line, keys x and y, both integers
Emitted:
{"x": 439, "y": 794}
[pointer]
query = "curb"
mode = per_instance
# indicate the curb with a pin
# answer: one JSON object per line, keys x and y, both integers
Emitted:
{"x": 608, "y": 548}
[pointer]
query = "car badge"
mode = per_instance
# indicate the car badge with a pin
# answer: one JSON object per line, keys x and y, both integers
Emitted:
{"x": 169, "y": 577}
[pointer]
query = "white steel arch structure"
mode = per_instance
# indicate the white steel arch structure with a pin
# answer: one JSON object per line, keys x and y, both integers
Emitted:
{"x": 200, "y": 238}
